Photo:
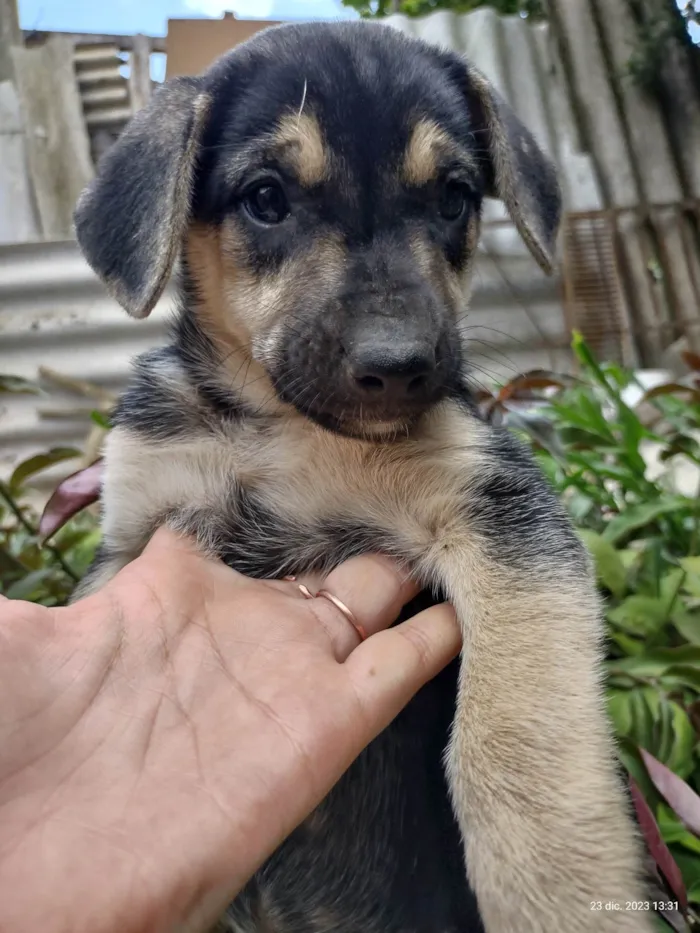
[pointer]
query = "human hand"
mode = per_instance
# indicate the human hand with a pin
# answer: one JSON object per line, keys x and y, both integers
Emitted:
{"x": 159, "y": 739}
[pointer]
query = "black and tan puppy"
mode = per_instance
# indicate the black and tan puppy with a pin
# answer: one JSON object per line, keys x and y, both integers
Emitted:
{"x": 322, "y": 185}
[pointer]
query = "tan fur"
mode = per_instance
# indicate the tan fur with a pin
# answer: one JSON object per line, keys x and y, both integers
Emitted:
{"x": 473, "y": 230}
{"x": 299, "y": 139}
{"x": 505, "y": 136}
{"x": 532, "y": 781}
{"x": 424, "y": 255}
{"x": 533, "y": 637}
{"x": 244, "y": 314}
{"x": 421, "y": 158}
{"x": 454, "y": 286}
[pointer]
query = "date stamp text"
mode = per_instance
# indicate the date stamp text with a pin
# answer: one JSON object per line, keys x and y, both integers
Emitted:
{"x": 634, "y": 905}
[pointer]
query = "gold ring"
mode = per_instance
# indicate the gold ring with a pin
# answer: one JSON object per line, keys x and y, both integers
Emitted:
{"x": 346, "y": 612}
{"x": 304, "y": 590}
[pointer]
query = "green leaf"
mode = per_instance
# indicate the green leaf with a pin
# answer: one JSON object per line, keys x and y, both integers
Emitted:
{"x": 639, "y": 516}
{"x": 691, "y": 565}
{"x": 656, "y": 662}
{"x": 583, "y": 421}
{"x": 630, "y": 758}
{"x": 30, "y": 586}
{"x": 680, "y": 760}
{"x": 673, "y": 831}
{"x": 630, "y": 557}
{"x": 664, "y": 730}
{"x": 40, "y": 462}
{"x": 620, "y": 710}
{"x": 15, "y": 385}
{"x": 687, "y": 624}
{"x": 691, "y": 584}
{"x": 9, "y": 565}
{"x": 633, "y": 433}
{"x": 689, "y": 864}
{"x": 83, "y": 552}
{"x": 670, "y": 585}
{"x": 584, "y": 439}
{"x": 679, "y": 676}
{"x": 584, "y": 355}
{"x": 579, "y": 506}
{"x": 100, "y": 419}
{"x": 626, "y": 643}
{"x": 609, "y": 568}
{"x": 640, "y": 615}
{"x": 642, "y": 730}
{"x": 590, "y": 407}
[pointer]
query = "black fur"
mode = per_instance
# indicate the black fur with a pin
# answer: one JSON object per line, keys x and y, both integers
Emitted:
{"x": 383, "y": 853}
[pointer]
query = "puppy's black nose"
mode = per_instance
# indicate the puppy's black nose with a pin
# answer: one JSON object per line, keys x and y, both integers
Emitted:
{"x": 397, "y": 373}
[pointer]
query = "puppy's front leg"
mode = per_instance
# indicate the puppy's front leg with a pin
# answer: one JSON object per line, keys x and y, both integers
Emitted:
{"x": 531, "y": 762}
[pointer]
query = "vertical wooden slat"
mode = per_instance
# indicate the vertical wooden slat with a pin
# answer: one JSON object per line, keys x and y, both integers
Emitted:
{"x": 57, "y": 140}
{"x": 140, "y": 72}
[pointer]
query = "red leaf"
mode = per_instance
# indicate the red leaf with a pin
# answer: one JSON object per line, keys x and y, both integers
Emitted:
{"x": 691, "y": 360}
{"x": 667, "y": 388}
{"x": 656, "y": 846}
{"x": 71, "y": 496}
{"x": 537, "y": 379}
{"x": 680, "y": 796}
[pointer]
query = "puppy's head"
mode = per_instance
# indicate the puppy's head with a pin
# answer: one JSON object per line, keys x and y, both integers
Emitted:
{"x": 323, "y": 184}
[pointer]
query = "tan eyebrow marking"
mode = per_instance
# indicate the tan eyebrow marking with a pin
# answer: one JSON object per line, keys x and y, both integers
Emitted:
{"x": 428, "y": 142}
{"x": 299, "y": 137}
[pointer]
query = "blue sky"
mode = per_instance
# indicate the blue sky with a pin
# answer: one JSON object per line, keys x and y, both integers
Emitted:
{"x": 123, "y": 17}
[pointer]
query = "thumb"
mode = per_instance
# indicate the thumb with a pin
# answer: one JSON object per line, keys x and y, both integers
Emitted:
{"x": 389, "y": 668}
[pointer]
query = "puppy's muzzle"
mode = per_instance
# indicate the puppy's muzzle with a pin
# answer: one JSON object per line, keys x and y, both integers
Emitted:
{"x": 391, "y": 374}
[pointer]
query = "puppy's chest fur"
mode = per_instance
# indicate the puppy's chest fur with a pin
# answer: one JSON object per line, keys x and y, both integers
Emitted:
{"x": 272, "y": 497}
{"x": 277, "y": 495}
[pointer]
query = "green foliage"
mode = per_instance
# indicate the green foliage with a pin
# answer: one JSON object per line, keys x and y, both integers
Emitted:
{"x": 30, "y": 567}
{"x": 661, "y": 28}
{"x": 380, "y": 8}
{"x": 644, "y": 538}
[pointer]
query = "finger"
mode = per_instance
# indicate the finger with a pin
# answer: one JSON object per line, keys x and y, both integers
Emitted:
{"x": 388, "y": 669}
{"x": 374, "y": 588}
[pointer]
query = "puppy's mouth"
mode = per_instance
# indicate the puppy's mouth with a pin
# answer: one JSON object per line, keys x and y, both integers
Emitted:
{"x": 375, "y": 410}
{"x": 361, "y": 425}
{"x": 373, "y": 382}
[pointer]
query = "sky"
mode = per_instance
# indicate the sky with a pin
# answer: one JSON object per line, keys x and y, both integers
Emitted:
{"x": 124, "y": 17}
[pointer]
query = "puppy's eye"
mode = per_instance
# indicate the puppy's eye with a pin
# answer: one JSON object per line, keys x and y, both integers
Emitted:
{"x": 453, "y": 201}
{"x": 267, "y": 203}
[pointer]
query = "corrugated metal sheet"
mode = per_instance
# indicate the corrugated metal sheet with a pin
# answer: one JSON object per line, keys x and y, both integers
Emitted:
{"x": 55, "y": 313}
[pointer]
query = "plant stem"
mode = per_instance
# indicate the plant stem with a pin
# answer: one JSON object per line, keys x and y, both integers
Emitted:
{"x": 27, "y": 525}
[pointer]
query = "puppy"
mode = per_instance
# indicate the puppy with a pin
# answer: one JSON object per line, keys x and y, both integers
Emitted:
{"x": 322, "y": 186}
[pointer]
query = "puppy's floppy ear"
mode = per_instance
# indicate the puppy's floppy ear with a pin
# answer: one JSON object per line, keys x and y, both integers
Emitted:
{"x": 132, "y": 217}
{"x": 517, "y": 172}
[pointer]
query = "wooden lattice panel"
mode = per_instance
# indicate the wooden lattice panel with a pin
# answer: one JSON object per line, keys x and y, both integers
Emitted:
{"x": 593, "y": 294}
